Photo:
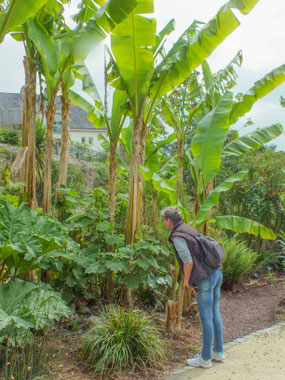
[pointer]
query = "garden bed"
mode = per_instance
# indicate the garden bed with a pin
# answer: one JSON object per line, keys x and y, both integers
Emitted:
{"x": 253, "y": 306}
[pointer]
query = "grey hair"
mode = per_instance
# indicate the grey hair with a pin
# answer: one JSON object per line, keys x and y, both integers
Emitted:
{"x": 172, "y": 213}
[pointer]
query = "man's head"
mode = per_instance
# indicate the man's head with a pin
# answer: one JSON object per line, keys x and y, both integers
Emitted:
{"x": 171, "y": 216}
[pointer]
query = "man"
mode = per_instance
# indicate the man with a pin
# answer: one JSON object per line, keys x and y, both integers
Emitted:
{"x": 205, "y": 283}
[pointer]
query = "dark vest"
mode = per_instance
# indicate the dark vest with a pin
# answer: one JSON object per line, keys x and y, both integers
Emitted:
{"x": 200, "y": 269}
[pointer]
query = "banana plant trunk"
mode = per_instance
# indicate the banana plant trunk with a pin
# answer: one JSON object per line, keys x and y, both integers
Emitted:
{"x": 180, "y": 169}
{"x": 29, "y": 129}
{"x": 135, "y": 187}
{"x": 109, "y": 282}
{"x": 112, "y": 183}
{"x": 65, "y": 136}
{"x": 50, "y": 114}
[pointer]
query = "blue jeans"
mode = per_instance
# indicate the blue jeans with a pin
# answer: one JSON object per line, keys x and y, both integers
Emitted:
{"x": 209, "y": 311}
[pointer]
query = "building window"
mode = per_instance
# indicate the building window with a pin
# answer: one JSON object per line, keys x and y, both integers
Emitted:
{"x": 83, "y": 140}
{"x": 90, "y": 140}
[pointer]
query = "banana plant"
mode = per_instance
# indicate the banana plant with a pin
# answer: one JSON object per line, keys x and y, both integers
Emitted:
{"x": 57, "y": 60}
{"x": 208, "y": 149}
{"x": 98, "y": 116}
{"x": 133, "y": 45}
{"x": 45, "y": 11}
{"x": 16, "y": 13}
{"x": 192, "y": 100}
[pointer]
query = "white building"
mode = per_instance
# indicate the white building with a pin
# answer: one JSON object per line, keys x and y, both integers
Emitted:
{"x": 81, "y": 130}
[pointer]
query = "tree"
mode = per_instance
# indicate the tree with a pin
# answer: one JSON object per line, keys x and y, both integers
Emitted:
{"x": 134, "y": 46}
{"x": 58, "y": 55}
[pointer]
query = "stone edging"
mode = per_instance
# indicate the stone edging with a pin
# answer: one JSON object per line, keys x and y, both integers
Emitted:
{"x": 178, "y": 374}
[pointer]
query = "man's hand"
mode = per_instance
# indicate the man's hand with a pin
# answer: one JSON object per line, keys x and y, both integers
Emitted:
{"x": 195, "y": 291}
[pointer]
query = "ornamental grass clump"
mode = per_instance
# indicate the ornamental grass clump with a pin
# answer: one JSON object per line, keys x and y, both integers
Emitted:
{"x": 239, "y": 261}
{"x": 122, "y": 339}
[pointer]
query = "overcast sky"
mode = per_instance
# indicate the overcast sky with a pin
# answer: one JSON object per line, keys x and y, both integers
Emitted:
{"x": 260, "y": 36}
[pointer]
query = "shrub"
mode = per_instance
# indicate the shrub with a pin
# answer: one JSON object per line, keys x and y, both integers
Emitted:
{"x": 8, "y": 136}
{"x": 238, "y": 262}
{"x": 270, "y": 260}
{"x": 25, "y": 306}
{"x": 26, "y": 236}
{"x": 120, "y": 339}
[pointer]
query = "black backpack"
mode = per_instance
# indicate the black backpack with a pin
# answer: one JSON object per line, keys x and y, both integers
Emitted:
{"x": 214, "y": 253}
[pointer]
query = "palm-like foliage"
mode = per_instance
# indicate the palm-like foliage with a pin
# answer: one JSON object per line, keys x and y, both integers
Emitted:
{"x": 238, "y": 262}
{"x": 135, "y": 71}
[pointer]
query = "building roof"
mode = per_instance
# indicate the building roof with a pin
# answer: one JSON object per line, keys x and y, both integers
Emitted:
{"x": 11, "y": 112}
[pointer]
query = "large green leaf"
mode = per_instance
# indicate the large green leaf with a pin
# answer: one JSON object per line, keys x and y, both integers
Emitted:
{"x": 244, "y": 6}
{"x": 160, "y": 38}
{"x": 25, "y": 305}
{"x": 258, "y": 91}
{"x": 26, "y": 235}
{"x": 208, "y": 142}
{"x": 241, "y": 225}
{"x": 151, "y": 149}
{"x": 158, "y": 183}
{"x": 131, "y": 42}
{"x": 18, "y": 12}
{"x": 97, "y": 114}
{"x": 190, "y": 51}
{"x": 252, "y": 140}
{"x": 214, "y": 197}
{"x": 95, "y": 29}
{"x": 88, "y": 85}
{"x": 118, "y": 113}
{"x": 79, "y": 101}
{"x": 47, "y": 49}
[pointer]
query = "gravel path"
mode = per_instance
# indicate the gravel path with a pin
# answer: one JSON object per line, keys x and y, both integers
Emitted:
{"x": 258, "y": 356}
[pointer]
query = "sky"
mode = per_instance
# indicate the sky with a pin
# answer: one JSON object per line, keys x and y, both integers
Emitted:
{"x": 260, "y": 36}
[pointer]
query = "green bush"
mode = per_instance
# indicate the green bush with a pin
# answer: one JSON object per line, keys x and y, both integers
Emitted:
{"x": 270, "y": 260}
{"x": 238, "y": 262}
{"x": 101, "y": 174}
{"x": 26, "y": 236}
{"x": 26, "y": 306}
{"x": 120, "y": 339}
{"x": 8, "y": 136}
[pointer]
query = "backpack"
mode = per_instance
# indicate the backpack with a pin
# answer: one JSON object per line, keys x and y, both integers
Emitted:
{"x": 213, "y": 251}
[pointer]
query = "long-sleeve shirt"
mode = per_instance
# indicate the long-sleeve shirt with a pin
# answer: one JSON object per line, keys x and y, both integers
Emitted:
{"x": 182, "y": 249}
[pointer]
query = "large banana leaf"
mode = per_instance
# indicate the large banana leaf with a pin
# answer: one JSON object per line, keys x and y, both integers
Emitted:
{"x": 240, "y": 225}
{"x": 118, "y": 116}
{"x": 189, "y": 53}
{"x": 18, "y": 12}
{"x": 158, "y": 183}
{"x": 244, "y": 6}
{"x": 214, "y": 196}
{"x": 47, "y": 49}
{"x": 258, "y": 91}
{"x": 169, "y": 116}
{"x": 252, "y": 140}
{"x": 208, "y": 142}
{"x": 96, "y": 113}
{"x": 131, "y": 42}
{"x": 169, "y": 28}
{"x": 98, "y": 22}
{"x": 79, "y": 101}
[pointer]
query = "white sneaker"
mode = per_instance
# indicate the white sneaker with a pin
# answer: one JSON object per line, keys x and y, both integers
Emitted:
{"x": 197, "y": 361}
{"x": 218, "y": 356}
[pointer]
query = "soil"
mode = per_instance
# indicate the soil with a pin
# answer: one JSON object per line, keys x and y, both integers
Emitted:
{"x": 255, "y": 305}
